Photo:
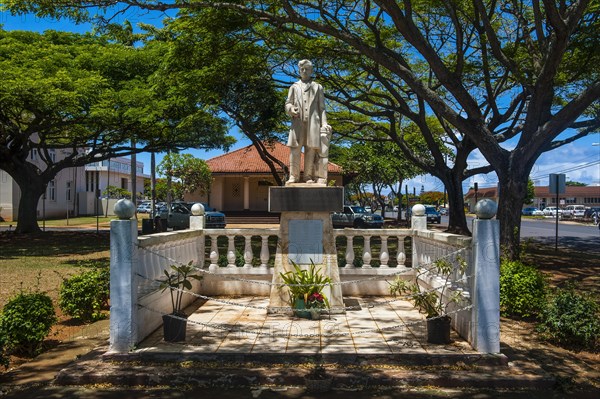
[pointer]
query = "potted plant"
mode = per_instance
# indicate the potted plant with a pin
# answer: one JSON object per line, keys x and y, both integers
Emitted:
{"x": 306, "y": 290}
{"x": 431, "y": 302}
{"x": 177, "y": 281}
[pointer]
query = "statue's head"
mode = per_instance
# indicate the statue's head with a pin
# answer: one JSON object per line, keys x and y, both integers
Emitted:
{"x": 305, "y": 68}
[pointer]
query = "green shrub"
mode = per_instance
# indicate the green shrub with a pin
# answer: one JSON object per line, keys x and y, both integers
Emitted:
{"x": 85, "y": 295}
{"x": 25, "y": 321}
{"x": 571, "y": 318}
{"x": 3, "y": 355}
{"x": 239, "y": 259}
{"x": 522, "y": 289}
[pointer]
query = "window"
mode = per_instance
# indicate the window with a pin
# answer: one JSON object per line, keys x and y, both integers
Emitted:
{"x": 236, "y": 190}
{"x": 34, "y": 154}
{"x": 51, "y": 190}
{"x": 69, "y": 183}
{"x": 89, "y": 182}
{"x": 124, "y": 183}
{"x": 52, "y": 155}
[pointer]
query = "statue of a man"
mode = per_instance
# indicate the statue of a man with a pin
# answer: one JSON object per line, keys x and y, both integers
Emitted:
{"x": 306, "y": 105}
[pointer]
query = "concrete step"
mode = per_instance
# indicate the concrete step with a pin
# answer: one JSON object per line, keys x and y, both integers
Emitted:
{"x": 231, "y": 371}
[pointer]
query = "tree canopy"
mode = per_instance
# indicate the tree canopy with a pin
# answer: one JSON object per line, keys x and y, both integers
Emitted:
{"x": 511, "y": 79}
{"x": 189, "y": 173}
{"x": 88, "y": 98}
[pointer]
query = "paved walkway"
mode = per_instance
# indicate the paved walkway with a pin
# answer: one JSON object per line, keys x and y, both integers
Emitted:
{"x": 377, "y": 326}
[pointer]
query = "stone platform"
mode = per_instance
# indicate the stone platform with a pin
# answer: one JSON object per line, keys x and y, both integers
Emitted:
{"x": 251, "y": 348}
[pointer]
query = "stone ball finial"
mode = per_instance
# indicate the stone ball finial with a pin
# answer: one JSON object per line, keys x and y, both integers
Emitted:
{"x": 197, "y": 209}
{"x": 124, "y": 209}
{"x": 486, "y": 209}
{"x": 418, "y": 210}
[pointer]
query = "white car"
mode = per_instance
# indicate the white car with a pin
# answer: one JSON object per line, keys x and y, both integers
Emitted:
{"x": 551, "y": 211}
{"x": 145, "y": 207}
{"x": 574, "y": 212}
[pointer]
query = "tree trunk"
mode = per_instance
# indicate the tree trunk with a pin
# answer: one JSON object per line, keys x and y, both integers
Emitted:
{"x": 457, "y": 223}
{"x": 32, "y": 188}
{"x": 513, "y": 190}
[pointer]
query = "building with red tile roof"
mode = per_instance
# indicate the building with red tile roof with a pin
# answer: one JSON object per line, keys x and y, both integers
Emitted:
{"x": 574, "y": 195}
{"x": 241, "y": 178}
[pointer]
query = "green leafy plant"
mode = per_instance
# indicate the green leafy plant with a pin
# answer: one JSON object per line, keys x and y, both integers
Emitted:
{"x": 177, "y": 281}
{"x": 303, "y": 284}
{"x": 431, "y": 302}
{"x": 571, "y": 318}
{"x": 4, "y": 360}
{"x": 239, "y": 259}
{"x": 85, "y": 295}
{"x": 523, "y": 289}
{"x": 25, "y": 322}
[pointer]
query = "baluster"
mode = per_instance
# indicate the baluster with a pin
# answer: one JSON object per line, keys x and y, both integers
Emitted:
{"x": 264, "y": 252}
{"x": 248, "y": 252}
{"x": 401, "y": 256}
{"x": 214, "y": 254}
{"x": 367, "y": 252}
{"x": 384, "y": 256}
{"x": 349, "y": 251}
{"x": 231, "y": 252}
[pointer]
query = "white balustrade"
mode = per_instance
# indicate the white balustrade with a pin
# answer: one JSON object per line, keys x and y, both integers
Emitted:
{"x": 349, "y": 251}
{"x": 248, "y": 256}
{"x": 264, "y": 251}
{"x": 384, "y": 256}
{"x": 367, "y": 254}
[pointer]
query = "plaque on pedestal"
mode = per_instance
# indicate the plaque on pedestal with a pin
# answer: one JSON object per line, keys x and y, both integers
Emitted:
{"x": 306, "y": 199}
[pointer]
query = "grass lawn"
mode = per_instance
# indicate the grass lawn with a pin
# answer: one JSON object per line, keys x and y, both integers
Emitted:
{"x": 87, "y": 221}
{"x": 40, "y": 261}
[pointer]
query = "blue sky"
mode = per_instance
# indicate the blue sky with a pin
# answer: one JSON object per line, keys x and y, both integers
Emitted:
{"x": 580, "y": 161}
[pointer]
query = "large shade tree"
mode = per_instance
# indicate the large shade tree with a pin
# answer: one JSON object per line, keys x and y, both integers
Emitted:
{"x": 514, "y": 78}
{"x": 189, "y": 174}
{"x": 215, "y": 57}
{"x": 87, "y": 98}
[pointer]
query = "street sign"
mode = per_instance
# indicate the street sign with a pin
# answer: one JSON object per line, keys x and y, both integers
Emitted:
{"x": 557, "y": 183}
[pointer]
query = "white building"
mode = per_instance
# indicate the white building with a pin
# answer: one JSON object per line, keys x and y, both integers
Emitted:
{"x": 73, "y": 190}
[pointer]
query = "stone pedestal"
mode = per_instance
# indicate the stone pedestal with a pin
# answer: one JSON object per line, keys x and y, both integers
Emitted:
{"x": 306, "y": 236}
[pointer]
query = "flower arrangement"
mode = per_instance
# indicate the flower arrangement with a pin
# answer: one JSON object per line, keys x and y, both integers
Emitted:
{"x": 306, "y": 288}
{"x": 316, "y": 300}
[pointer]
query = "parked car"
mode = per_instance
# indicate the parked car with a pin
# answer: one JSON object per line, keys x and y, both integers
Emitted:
{"x": 531, "y": 211}
{"x": 433, "y": 216}
{"x": 573, "y": 212}
{"x": 178, "y": 217}
{"x": 144, "y": 207}
{"x": 551, "y": 211}
{"x": 443, "y": 211}
{"x": 356, "y": 216}
{"x": 592, "y": 214}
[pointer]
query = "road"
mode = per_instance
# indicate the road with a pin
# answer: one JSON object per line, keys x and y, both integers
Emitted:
{"x": 585, "y": 237}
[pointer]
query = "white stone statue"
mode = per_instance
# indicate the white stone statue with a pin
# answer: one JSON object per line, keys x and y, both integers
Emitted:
{"x": 306, "y": 105}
